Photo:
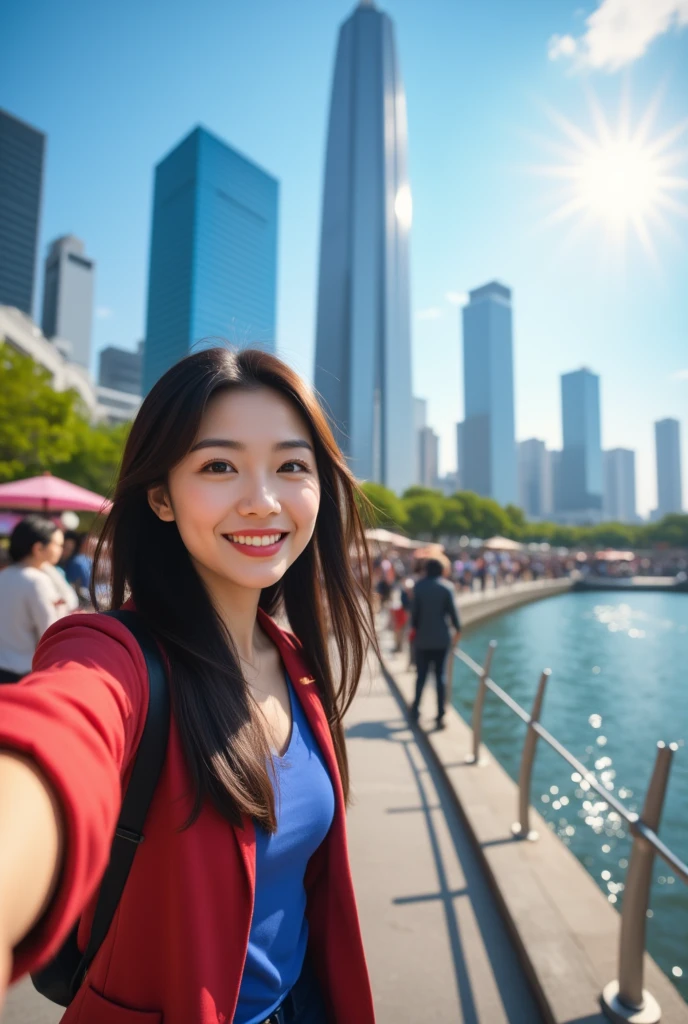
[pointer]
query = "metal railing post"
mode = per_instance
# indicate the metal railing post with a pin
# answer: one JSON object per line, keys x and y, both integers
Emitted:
{"x": 474, "y": 758}
{"x": 521, "y": 829}
{"x": 626, "y": 999}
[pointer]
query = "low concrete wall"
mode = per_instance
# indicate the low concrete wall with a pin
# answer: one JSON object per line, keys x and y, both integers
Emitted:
{"x": 566, "y": 931}
{"x": 477, "y": 607}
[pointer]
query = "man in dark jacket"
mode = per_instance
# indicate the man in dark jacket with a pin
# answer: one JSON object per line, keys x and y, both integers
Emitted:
{"x": 433, "y": 606}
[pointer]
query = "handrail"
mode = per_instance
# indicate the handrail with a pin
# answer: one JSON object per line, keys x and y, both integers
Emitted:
{"x": 624, "y": 999}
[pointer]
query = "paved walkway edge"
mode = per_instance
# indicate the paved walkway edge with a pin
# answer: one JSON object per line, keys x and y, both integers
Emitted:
{"x": 565, "y": 930}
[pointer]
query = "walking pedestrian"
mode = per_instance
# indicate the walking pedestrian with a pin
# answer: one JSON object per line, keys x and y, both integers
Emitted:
{"x": 233, "y": 505}
{"x": 29, "y": 599}
{"x": 433, "y": 608}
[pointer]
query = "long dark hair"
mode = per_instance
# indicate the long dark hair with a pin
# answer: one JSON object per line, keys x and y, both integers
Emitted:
{"x": 140, "y": 556}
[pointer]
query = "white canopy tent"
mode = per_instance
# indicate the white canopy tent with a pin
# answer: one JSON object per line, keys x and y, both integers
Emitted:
{"x": 502, "y": 544}
{"x": 393, "y": 540}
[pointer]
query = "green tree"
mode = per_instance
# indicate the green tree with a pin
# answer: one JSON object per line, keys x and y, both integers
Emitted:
{"x": 421, "y": 492}
{"x": 454, "y": 521}
{"x": 671, "y": 530}
{"x": 37, "y": 424}
{"x": 423, "y": 515}
{"x": 611, "y": 535}
{"x": 517, "y": 521}
{"x": 385, "y": 508}
{"x": 96, "y": 457}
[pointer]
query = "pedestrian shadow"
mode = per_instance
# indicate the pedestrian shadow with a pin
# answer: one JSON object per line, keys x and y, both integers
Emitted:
{"x": 375, "y": 731}
{"x": 520, "y": 1006}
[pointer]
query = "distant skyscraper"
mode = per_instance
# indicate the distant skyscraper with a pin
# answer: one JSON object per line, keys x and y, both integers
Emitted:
{"x": 668, "y": 447}
{"x": 534, "y": 485}
{"x": 619, "y": 503}
{"x": 363, "y": 340}
{"x": 581, "y": 457}
{"x": 420, "y": 420}
{"x": 487, "y": 456}
{"x": 68, "y": 297}
{"x": 429, "y": 457}
{"x": 213, "y": 255}
{"x": 121, "y": 369}
{"x": 21, "y": 184}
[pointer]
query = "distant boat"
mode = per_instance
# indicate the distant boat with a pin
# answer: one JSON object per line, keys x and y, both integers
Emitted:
{"x": 662, "y": 583}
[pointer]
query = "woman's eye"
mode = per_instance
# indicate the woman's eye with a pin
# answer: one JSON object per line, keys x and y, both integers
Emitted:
{"x": 295, "y": 467}
{"x": 217, "y": 468}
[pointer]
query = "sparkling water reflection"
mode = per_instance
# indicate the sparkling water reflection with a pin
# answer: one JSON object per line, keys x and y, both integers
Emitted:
{"x": 618, "y": 686}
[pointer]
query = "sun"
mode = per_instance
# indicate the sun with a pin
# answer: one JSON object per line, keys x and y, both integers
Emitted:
{"x": 619, "y": 177}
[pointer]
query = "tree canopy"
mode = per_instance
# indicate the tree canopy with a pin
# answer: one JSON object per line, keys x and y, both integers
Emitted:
{"x": 42, "y": 429}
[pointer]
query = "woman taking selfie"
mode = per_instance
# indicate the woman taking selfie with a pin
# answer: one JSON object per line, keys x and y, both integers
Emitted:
{"x": 233, "y": 504}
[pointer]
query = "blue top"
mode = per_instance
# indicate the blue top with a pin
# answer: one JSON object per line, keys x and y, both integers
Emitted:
{"x": 78, "y": 570}
{"x": 304, "y": 804}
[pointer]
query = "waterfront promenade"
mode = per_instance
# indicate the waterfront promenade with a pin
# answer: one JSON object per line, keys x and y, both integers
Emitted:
{"x": 431, "y": 878}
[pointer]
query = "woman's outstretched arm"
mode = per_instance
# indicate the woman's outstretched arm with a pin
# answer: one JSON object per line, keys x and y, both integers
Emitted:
{"x": 31, "y": 850}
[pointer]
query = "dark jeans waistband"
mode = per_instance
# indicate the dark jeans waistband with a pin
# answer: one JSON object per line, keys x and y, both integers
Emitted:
{"x": 304, "y": 1003}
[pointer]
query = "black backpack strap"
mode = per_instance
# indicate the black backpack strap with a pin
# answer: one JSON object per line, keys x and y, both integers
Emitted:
{"x": 150, "y": 757}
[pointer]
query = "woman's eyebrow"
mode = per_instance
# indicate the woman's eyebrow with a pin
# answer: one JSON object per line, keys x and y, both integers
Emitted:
{"x": 225, "y": 442}
{"x": 219, "y": 442}
{"x": 297, "y": 442}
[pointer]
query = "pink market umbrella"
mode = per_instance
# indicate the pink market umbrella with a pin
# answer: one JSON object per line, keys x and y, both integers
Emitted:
{"x": 48, "y": 493}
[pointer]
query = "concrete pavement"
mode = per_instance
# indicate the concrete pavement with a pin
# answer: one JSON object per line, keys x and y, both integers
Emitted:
{"x": 437, "y": 948}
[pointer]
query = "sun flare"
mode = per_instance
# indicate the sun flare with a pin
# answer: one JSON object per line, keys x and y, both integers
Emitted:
{"x": 620, "y": 177}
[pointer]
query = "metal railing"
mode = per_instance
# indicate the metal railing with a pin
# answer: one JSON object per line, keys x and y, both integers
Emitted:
{"x": 624, "y": 999}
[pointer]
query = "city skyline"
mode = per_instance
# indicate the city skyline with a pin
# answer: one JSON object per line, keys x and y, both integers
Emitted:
{"x": 363, "y": 338}
{"x": 478, "y": 213}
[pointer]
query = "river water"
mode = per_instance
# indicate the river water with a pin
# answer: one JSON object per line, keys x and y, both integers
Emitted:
{"x": 619, "y": 684}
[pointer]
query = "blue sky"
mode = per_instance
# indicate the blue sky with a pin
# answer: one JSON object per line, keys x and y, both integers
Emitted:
{"x": 116, "y": 86}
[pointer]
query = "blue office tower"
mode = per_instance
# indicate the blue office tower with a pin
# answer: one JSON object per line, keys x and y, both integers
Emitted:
{"x": 363, "y": 336}
{"x": 581, "y": 485}
{"x": 213, "y": 257}
{"x": 487, "y": 441}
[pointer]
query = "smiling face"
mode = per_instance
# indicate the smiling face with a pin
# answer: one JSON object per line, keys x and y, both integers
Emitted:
{"x": 245, "y": 498}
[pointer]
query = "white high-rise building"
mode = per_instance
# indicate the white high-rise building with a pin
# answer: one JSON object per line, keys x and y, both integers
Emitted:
{"x": 619, "y": 503}
{"x": 363, "y": 333}
{"x": 68, "y": 298}
{"x": 429, "y": 457}
{"x": 668, "y": 447}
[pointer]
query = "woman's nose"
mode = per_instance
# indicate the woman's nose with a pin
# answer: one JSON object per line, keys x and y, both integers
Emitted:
{"x": 259, "y": 500}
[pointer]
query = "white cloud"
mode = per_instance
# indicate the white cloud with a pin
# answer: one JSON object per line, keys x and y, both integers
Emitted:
{"x": 457, "y": 298}
{"x": 433, "y": 313}
{"x": 620, "y": 31}
{"x": 104, "y": 313}
{"x": 680, "y": 375}
{"x": 561, "y": 46}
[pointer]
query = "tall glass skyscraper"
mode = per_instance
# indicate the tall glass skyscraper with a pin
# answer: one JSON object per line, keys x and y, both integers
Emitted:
{"x": 668, "y": 448}
{"x": 487, "y": 439}
{"x": 363, "y": 336}
{"x": 581, "y": 481}
{"x": 21, "y": 184}
{"x": 213, "y": 258}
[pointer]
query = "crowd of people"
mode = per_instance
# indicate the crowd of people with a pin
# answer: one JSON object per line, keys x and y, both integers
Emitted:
{"x": 46, "y": 574}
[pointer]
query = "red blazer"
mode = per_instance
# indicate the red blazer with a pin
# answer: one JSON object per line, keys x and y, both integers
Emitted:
{"x": 175, "y": 951}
